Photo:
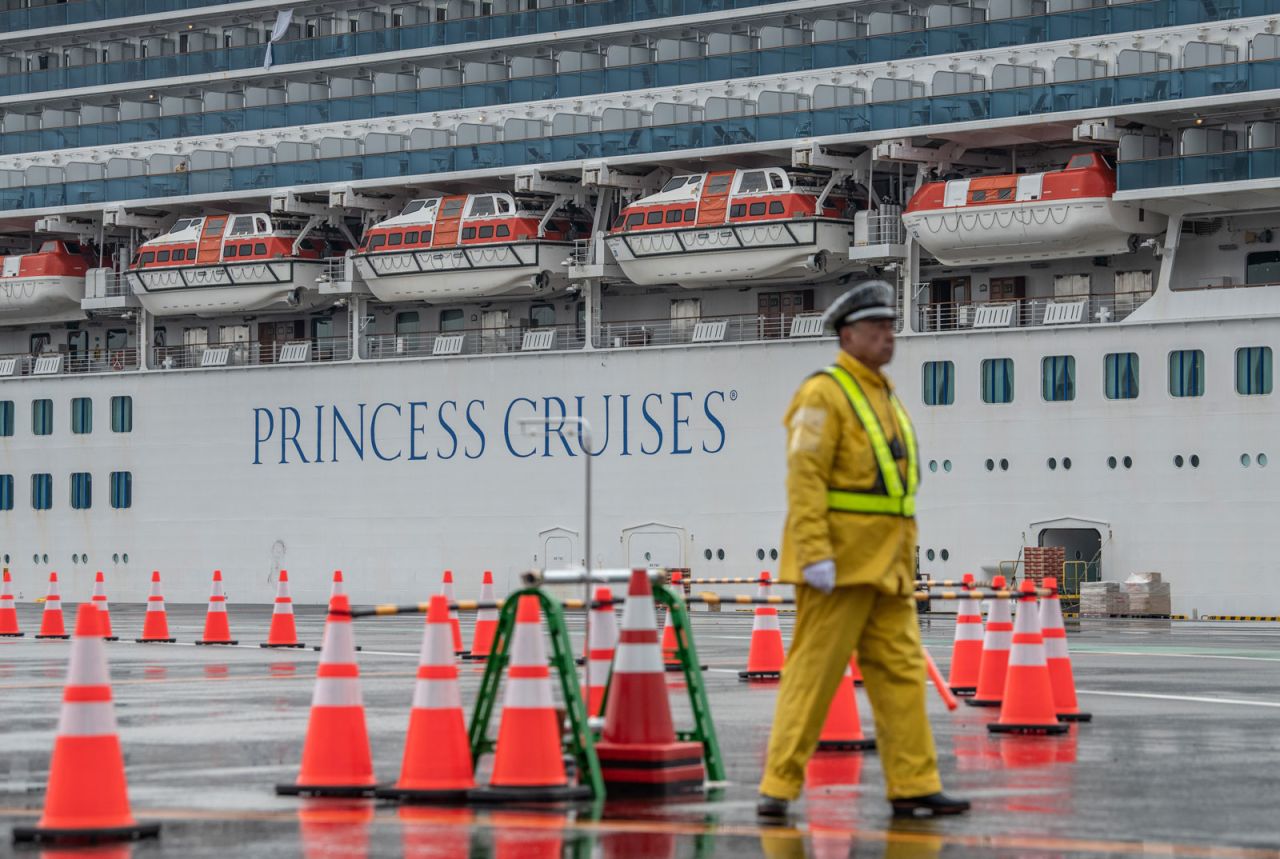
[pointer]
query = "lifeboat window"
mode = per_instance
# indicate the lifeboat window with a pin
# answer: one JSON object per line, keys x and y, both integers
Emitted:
{"x": 654, "y": 217}
{"x": 776, "y": 182}
{"x": 469, "y": 233}
{"x": 242, "y": 226}
{"x": 719, "y": 184}
{"x": 425, "y": 238}
{"x": 504, "y": 206}
{"x": 48, "y": 247}
{"x": 618, "y": 224}
{"x": 395, "y": 239}
{"x": 503, "y": 231}
{"x": 162, "y": 256}
{"x": 260, "y": 249}
{"x": 691, "y": 214}
{"x": 148, "y": 257}
{"x": 777, "y": 208}
{"x": 757, "y": 209}
{"x": 411, "y": 237}
{"x": 738, "y": 211}
{"x": 486, "y": 232}
{"x": 677, "y": 182}
{"x": 414, "y": 205}
{"x": 231, "y": 250}
{"x": 452, "y": 208}
{"x": 246, "y": 250}
{"x": 635, "y": 220}
{"x": 753, "y": 180}
{"x": 673, "y": 216}
{"x": 261, "y": 225}
{"x": 1079, "y": 162}
{"x": 1005, "y": 194}
{"x": 978, "y": 196}
{"x": 482, "y": 206}
{"x": 377, "y": 242}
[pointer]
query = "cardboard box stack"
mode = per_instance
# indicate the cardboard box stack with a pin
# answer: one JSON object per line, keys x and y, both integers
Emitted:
{"x": 1041, "y": 561}
{"x": 1102, "y": 599}
{"x": 1146, "y": 593}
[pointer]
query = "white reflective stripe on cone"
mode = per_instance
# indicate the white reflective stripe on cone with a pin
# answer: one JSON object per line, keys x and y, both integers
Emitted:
{"x": 337, "y": 692}
{"x": 216, "y": 606}
{"x": 437, "y": 695}
{"x": 88, "y": 663}
{"x": 598, "y": 671}
{"x": 1055, "y": 647}
{"x": 1027, "y": 655}
{"x": 217, "y": 589}
{"x": 969, "y": 632}
{"x": 632, "y": 658}
{"x": 999, "y": 612}
{"x": 155, "y": 605}
{"x": 486, "y": 614}
{"x": 526, "y": 646}
{"x": 283, "y": 608}
{"x": 339, "y": 645}
{"x": 53, "y": 604}
{"x": 998, "y": 639}
{"x": 638, "y": 613}
{"x": 532, "y": 693}
{"x": 437, "y": 645}
{"x": 155, "y": 589}
{"x": 87, "y": 719}
{"x": 765, "y": 622}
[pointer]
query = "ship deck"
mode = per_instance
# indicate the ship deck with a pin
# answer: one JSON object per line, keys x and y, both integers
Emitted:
{"x": 1180, "y": 758}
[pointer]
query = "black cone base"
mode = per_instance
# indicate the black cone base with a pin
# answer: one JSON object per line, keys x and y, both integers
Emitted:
{"x": 42, "y": 835}
{"x": 313, "y": 647}
{"x": 1034, "y": 730}
{"x": 865, "y": 745}
{"x": 759, "y": 675}
{"x": 12, "y": 634}
{"x": 217, "y": 642}
{"x": 155, "y": 640}
{"x": 57, "y": 637}
{"x": 446, "y": 797}
{"x": 298, "y": 646}
{"x": 336, "y": 790}
{"x": 982, "y": 702}
{"x": 550, "y": 793}
{"x": 1075, "y": 717}
{"x": 964, "y": 691}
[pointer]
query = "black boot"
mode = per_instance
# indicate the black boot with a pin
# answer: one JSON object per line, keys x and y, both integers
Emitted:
{"x": 931, "y": 805}
{"x": 770, "y": 809}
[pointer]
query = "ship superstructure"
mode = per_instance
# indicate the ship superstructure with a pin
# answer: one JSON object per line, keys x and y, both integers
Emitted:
{"x": 409, "y": 229}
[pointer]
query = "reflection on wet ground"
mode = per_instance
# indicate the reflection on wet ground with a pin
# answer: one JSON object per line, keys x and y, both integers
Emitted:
{"x": 1179, "y": 760}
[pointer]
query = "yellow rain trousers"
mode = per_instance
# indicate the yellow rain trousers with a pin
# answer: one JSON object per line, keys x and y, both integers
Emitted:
{"x": 882, "y": 628}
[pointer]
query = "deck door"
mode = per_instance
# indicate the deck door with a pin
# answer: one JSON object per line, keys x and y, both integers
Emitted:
{"x": 211, "y": 239}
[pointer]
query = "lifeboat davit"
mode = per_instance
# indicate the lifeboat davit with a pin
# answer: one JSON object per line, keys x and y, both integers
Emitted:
{"x": 222, "y": 264}
{"x": 466, "y": 246}
{"x": 45, "y": 286}
{"x": 1028, "y": 216}
{"x": 732, "y": 226}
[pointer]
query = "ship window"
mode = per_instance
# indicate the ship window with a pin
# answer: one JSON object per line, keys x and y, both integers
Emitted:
{"x": 42, "y": 417}
{"x": 122, "y": 414}
{"x": 260, "y": 249}
{"x": 81, "y": 415}
{"x": 757, "y": 209}
{"x": 191, "y": 253}
{"x": 41, "y": 491}
{"x": 738, "y": 211}
{"x": 939, "y": 383}
{"x": 162, "y": 256}
{"x": 242, "y": 226}
{"x": 1004, "y": 194}
{"x": 542, "y": 315}
{"x": 635, "y": 220}
{"x": 776, "y": 182}
{"x": 231, "y": 250}
{"x": 148, "y": 257}
{"x": 414, "y": 205}
{"x": 1079, "y": 162}
{"x": 452, "y": 320}
{"x": 117, "y": 339}
{"x": 719, "y": 184}
{"x": 81, "y": 490}
{"x": 1121, "y": 375}
{"x": 503, "y": 231}
{"x": 1262, "y": 267}
{"x": 1253, "y": 370}
{"x": 425, "y": 238}
{"x": 395, "y": 239}
{"x": 753, "y": 180}
{"x": 486, "y": 232}
{"x": 777, "y": 208}
{"x": 6, "y": 418}
{"x": 997, "y": 380}
{"x": 482, "y": 206}
{"x": 6, "y": 491}
{"x": 468, "y": 233}
{"x": 673, "y": 184}
{"x": 654, "y": 217}
{"x": 1186, "y": 373}
{"x": 122, "y": 492}
{"x": 377, "y": 242}
{"x": 452, "y": 208}
{"x": 406, "y": 322}
{"x": 246, "y": 250}
{"x": 411, "y": 237}
{"x": 673, "y": 216}
{"x": 978, "y": 196}
{"x": 1058, "y": 378}
{"x": 690, "y": 214}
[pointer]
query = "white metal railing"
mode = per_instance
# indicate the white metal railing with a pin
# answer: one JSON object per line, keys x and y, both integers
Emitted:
{"x": 1028, "y": 312}
{"x": 243, "y": 354}
{"x": 70, "y": 362}
{"x": 675, "y": 332}
{"x": 473, "y": 341}
{"x": 879, "y": 229}
{"x": 104, "y": 283}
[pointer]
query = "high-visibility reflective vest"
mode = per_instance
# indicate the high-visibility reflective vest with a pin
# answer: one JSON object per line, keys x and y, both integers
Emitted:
{"x": 888, "y": 497}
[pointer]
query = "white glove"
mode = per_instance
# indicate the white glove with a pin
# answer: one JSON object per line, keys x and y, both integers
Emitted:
{"x": 821, "y": 575}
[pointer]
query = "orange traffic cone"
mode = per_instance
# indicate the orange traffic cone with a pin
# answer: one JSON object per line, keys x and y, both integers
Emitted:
{"x": 842, "y": 732}
{"x": 1059, "y": 659}
{"x": 8, "y": 612}
{"x": 1028, "y": 693}
{"x": 966, "y": 651}
{"x": 87, "y": 798}
{"x": 486, "y": 622}
{"x": 51, "y": 625}
{"x": 670, "y": 661}
{"x": 155, "y": 623}
{"x": 638, "y": 750}
{"x": 527, "y": 762}
{"x": 995, "y": 652}
{"x": 217, "y": 630}
{"x": 338, "y": 586}
{"x": 283, "y": 632}
{"x": 855, "y": 670}
{"x": 335, "y": 756}
{"x": 99, "y": 601}
{"x": 599, "y": 656}
{"x": 437, "y": 754}
{"x": 764, "y": 659}
{"x": 446, "y": 589}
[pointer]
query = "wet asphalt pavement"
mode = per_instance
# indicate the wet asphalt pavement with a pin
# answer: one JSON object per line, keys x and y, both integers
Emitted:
{"x": 1181, "y": 758}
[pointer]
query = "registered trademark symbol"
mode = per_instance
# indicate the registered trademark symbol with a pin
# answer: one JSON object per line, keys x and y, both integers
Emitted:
{"x": 733, "y": 395}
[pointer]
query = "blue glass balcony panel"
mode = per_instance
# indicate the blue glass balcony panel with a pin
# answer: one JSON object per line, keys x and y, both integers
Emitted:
{"x": 84, "y": 11}
{"x": 1238, "y": 166}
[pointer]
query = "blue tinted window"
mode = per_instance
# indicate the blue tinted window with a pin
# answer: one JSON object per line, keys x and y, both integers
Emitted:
{"x": 1121, "y": 372}
{"x": 42, "y": 417}
{"x": 121, "y": 489}
{"x": 82, "y": 415}
{"x": 41, "y": 491}
{"x": 1253, "y": 370}
{"x": 997, "y": 380}
{"x": 122, "y": 414}
{"x": 6, "y": 491}
{"x": 939, "y": 383}
{"x": 1186, "y": 373}
{"x": 81, "y": 490}
{"x": 6, "y": 418}
{"x": 1058, "y": 378}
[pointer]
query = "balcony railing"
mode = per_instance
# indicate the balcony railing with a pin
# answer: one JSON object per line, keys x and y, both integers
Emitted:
{"x": 1028, "y": 312}
{"x": 473, "y": 341}
{"x": 69, "y": 362}
{"x": 676, "y": 332}
{"x": 243, "y": 354}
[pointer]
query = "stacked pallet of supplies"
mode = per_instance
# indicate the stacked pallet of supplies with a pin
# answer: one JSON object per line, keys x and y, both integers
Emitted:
{"x": 1147, "y": 594}
{"x": 1102, "y": 599}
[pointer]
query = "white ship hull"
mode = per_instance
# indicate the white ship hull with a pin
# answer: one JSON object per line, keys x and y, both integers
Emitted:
{"x": 774, "y": 252}
{"x": 480, "y": 271}
{"x": 215, "y": 290}
{"x": 1019, "y": 232}
{"x": 31, "y": 300}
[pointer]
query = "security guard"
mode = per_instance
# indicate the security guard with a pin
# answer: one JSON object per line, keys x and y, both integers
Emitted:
{"x": 849, "y": 544}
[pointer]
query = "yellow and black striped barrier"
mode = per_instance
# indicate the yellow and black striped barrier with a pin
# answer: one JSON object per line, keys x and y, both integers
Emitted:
{"x": 1271, "y": 618}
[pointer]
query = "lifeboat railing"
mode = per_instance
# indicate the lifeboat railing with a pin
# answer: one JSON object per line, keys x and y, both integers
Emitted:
{"x": 1027, "y": 312}
{"x": 249, "y": 354}
{"x": 474, "y": 341}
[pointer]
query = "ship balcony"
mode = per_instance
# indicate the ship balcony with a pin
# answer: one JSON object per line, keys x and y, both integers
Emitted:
{"x": 1027, "y": 312}
{"x": 1241, "y": 175}
{"x": 106, "y": 292}
{"x": 68, "y": 362}
{"x": 245, "y": 354}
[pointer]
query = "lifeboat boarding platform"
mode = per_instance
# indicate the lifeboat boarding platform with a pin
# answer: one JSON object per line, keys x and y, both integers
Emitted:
{"x": 1180, "y": 758}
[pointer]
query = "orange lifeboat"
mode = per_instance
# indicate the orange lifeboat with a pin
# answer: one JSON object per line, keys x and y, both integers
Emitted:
{"x": 732, "y": 226}
{"x": 466, "y": 246}
{"x": 222, "y": 264}
{"x": 1028, "y": 216}
{"x": 45, "y": 286}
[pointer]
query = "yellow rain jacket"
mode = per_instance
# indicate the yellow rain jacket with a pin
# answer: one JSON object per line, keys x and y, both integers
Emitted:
{"x": 827, "y": 448}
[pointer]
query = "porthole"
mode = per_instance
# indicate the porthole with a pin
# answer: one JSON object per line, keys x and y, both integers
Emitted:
{"x": 1177, "y": 461}
{"x": 773, "y": 554}
{"x": 1195, "y": 461}
{"x": 759, "y": 554}
{"x": 929, "y": 554}
{"x": 946, "y": 465}
{"x": 1111, "y": 462}
{"x": 946, "y": 556}
{"x": 6, "y": 559}
{"x": 125, "y": 557}
{"x": 1004, "y": 465}
{"x": 1066, "y": 463}
{"x": 44, "y": 559}
{"x": 720, "y": 554}
{"x": 1052, "y": 463}
{"x": 648, "y": 556}
{"x": 35, "y": 559}
{"x": 84, "y": 559}
{"x": 1262, "y": 463}
{"x": 115, "y": 559}
{"x": 707, "y": 554}
{"x": 1244, "y": 460}
{"x": 75, "y": 559}
{"x": 991, "y": 465}
{"x": 933, "y": 466}
{"x": 1128, "y": 462}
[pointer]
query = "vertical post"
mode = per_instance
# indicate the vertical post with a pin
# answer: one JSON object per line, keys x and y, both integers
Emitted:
{"x": 355, "y": 314}
{"x": 146, "y": 325}
{"x": 591, "y": 300}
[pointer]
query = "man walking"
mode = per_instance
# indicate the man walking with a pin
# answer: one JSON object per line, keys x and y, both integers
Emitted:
{"x": 849, "y": 548}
